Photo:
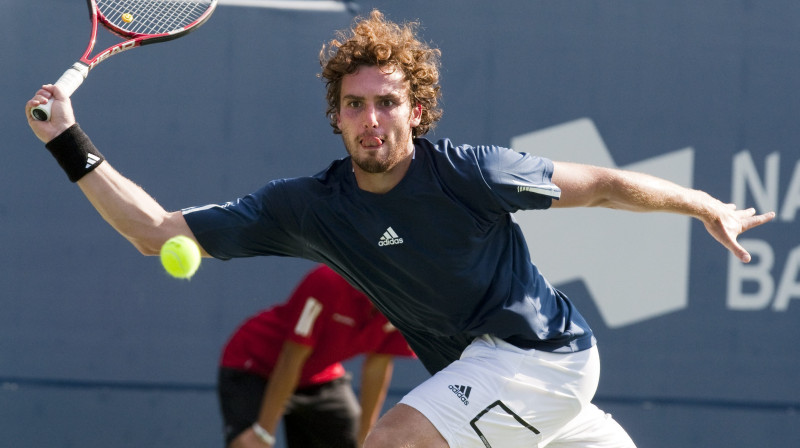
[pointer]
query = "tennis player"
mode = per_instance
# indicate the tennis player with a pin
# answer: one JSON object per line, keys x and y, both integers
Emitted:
{"x": 285, "y": 362}
{"x": 426, "y": 231}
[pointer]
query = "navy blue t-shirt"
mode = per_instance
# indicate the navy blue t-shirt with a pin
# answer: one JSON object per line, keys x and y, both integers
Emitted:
{"x": 440, "y": 254}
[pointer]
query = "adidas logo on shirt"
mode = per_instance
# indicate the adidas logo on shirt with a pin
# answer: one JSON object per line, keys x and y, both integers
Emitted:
{"x": 462, "y": 392}
{"x": 91, "y": 160}
{"x": 389, "y": 238}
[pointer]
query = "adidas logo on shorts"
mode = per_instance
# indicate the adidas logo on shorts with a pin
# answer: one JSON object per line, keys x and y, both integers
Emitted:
{"x": 462, "y": 392}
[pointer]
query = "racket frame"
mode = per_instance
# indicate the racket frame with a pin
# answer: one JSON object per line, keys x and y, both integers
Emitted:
{"x": 74, "y": 76}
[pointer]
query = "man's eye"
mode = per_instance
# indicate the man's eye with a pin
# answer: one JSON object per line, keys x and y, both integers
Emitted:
{"x": 355, "y": 104}
{"x": 387, "y": 103}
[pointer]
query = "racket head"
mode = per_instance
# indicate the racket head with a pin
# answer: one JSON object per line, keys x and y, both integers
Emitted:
{"x": 150, "y": 21}
{"x": 140, "y": 22}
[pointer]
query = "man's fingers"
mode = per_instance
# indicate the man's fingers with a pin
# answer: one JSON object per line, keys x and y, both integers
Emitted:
{"x": 41, "y": 99}
{"x": 741, "y": 253}
{"x": 748, "y": 220}
{"x": 755, "y": 221}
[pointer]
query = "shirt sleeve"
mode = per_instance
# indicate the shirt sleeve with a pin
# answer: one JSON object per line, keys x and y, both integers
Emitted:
{"x": 266, "y": 222}
{"x": 520, "y": 181}
{"x": 492, "y": 181}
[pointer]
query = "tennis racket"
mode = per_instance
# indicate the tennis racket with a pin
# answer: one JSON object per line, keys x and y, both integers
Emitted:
{"x": 140, "y": 22}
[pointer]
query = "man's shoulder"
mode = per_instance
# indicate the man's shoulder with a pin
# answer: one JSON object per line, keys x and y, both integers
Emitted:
{"x": 461, "y": 153}
{"x": 441, "y": 146}
{"x": 453, "y": 162}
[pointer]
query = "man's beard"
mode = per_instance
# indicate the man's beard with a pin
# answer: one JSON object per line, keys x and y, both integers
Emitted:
{"x": 376, "y": 165}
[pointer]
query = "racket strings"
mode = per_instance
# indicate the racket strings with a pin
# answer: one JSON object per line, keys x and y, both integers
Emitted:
{"x": 152, "y": 16}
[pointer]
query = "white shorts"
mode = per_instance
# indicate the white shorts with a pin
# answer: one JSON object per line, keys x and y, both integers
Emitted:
{"x": 501, "y": 396}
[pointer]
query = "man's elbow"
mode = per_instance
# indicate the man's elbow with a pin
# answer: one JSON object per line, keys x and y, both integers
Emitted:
{"x": 146, "y": 247}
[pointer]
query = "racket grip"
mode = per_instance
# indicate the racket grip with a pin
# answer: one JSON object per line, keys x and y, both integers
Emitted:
{"x": 69, "y": 83}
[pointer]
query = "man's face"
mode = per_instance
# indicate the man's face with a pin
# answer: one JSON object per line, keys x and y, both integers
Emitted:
{"x": 376, "y": 118}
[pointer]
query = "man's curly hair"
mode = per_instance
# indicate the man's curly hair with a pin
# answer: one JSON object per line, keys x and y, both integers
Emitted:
{"x": 375, "y": 41}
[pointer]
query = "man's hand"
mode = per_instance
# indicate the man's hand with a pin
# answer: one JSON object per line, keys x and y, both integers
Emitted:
{"x": 61, "y": 115}
{"x": 727, "y": 223}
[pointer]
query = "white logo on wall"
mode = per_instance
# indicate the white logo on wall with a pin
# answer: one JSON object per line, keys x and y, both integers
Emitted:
{"x": 635, "y": 265}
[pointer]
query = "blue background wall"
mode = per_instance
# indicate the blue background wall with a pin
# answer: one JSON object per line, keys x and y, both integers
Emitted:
{"x": 98, "y": 347}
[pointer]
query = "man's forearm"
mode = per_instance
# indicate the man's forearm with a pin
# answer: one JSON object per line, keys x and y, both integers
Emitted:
{"x": 130, "y": 210}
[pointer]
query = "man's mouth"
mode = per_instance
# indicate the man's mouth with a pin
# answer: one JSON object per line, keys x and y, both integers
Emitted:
{"x": 371, "y": 141}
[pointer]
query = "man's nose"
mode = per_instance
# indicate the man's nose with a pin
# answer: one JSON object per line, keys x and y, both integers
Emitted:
{"x": 370, "y": 117}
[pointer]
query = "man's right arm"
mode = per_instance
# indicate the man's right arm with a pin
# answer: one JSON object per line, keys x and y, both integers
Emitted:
{"x": 131, "y": 211}
{"x": 122, "y": 203}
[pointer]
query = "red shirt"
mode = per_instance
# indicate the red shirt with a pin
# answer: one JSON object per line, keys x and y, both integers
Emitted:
{"x": 325, "y": 313}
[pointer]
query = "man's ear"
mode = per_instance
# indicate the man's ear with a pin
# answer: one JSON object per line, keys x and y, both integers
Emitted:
{"x": 416, "y": 115}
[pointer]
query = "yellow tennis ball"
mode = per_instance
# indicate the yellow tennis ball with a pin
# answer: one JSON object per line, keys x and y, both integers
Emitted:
{"x": 127, "y": 17}
{"x": 180, "y": 256}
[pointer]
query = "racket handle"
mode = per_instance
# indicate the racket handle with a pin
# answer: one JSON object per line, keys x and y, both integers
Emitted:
{"x": 69, "y": 83}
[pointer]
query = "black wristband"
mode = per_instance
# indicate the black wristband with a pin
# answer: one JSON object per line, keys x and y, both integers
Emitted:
{"x": 75, "y": 152}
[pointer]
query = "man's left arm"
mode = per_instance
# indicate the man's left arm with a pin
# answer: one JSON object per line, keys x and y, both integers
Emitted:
{"x": 591, "y": 186}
